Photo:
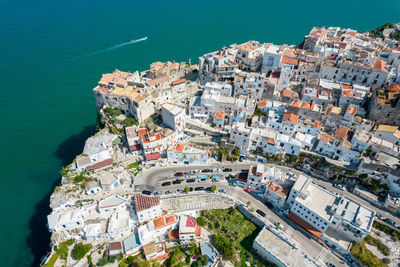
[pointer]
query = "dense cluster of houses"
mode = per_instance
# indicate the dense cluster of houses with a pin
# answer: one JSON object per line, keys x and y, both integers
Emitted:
{"x": 337, "y": 95}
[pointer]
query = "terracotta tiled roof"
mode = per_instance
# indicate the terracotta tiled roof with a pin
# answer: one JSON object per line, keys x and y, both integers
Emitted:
{"x": 296, "y": 103}
{"x": 380, "y": 65}
{"x": 191, "y": 222}
{"x": 303, "y": 224}
{"x": 153, "y": 156}
{"x": 115, "y": 246}
{"x": 159, "y": 222}
{"x": 290, "y": 117}
{"x": 326, "y": 138}
{"x": 289, "y": 60}
{"x": 180, "y": 81}
{"x": 287, "y": 93}
{"x": 317, "y": 124}
{"x": 343, "y": 132}
{"x": 145, "y": 202}
{"x": 346, "y": 86}
{"x": 262, "y": 103}
{"x": 173, "y": 235}
{"x": 219, "y": 115}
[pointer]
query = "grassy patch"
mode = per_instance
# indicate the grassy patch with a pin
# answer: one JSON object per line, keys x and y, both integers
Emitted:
{"x": 233, "y": 234}
{"x": 80, "y": 250}
{"x": 365, "y": 256}
{"x": 134, "y": 165}
{"x": 387, "y": 230}
{"x": 377, "y": 243}
{"x": 52, "y": 260}
{"x": 63, "y": 248}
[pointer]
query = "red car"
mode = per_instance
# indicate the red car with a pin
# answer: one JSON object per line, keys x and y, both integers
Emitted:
{"x": 179, "y": 174}
{"x": 247, "y": 190}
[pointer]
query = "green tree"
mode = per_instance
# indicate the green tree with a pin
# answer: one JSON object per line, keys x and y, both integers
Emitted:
{"x": 213, "y": 188}
{"x": 248, "y": 203}
{"x": 187, "y": 189}
{"x": 80, "y": 250}
{"x": 201, "y": 221}
{"x": 259, "y": 112}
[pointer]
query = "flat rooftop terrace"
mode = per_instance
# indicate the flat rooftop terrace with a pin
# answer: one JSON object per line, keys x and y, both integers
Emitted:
{"x": 280, "y": 249}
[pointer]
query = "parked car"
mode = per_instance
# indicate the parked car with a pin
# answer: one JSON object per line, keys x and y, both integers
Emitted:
{"x": 379, "y": 216}
{"x": 179, "y": 174}
{"x": 216, "y": 170}
{"x": 339, "y": 186}
{"x": 261, "y": 213}
{"x": 199, "y": 188}
{"x": 146, "y": 192}
{"x": 222, "y": 191}
{"x": 280, "y": 212}
{"x": 329, "y": 264}
{"x": 187, "y": 172}
{"x": 157, "y": 193}
{"x": 206, "y": 170}
{"x": 191, "y": 180}
{"x": 166, "y": 184}
{"x": 247, "y": 190}
{"x": 227, "y": 170}
{"x": 179, "y": 191}
{"x": 208, "y": 189}
{"x": 168, "y": 192}
{"x": 177, "y": 181}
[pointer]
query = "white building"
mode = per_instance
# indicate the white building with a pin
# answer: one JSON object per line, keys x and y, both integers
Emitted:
{"x": 272, "y": 58}
{"x": 66, "y": 220}
{"x": 188, "y": 229}
{"x": 147, "y": 207}
{"x": 174, "y": 117}
{"x": 92, "y": 188}
{"x": 111, "y": 204}
{"x": 313, "y": 208}
{"x": 279, "y": 249}
{"x": 108, "y": 181}
{"x": 224, "y": 88}
{"x": 275, "y": 194}
{"x": 249, "y": 56}
{"x": 352, "y": 219}
{"x": 184, "y": 154}
{"x": 252, "y": 85}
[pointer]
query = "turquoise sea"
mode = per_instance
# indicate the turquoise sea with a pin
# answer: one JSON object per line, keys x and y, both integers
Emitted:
{"x": 49, "y": 65}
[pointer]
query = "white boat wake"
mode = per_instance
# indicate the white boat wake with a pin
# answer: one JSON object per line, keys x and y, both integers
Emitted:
{"x": 110, "y": 48}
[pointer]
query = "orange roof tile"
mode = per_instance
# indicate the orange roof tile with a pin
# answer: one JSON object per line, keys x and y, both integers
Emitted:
{"x": 346, "y": 86}
{"x": 180, "y": 81}
{"x": 271, "y": 141}
{"x": 173, "y": 235}
{"x": 296, "y": 103}
{"x": 317, "y": 124}
{"x": 262, "y": 103}
{"x": 290, "y": 117}
{"x": 289, "y": 60}
{"x": 159, "y": 222}
{"x": 303, "y": 224}
{"x": 380, "y": 65}
{"x": 348, "y": 93}
{"x": 326, "y": 137}
{"x": 219, "y": 115}
{"x": 170, "y": 219}
{"x": 287, "y": 93}
{"x": 343, "y": 132}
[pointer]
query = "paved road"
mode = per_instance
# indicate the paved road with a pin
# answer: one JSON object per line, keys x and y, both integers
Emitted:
{"x": 150, "y": 178}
